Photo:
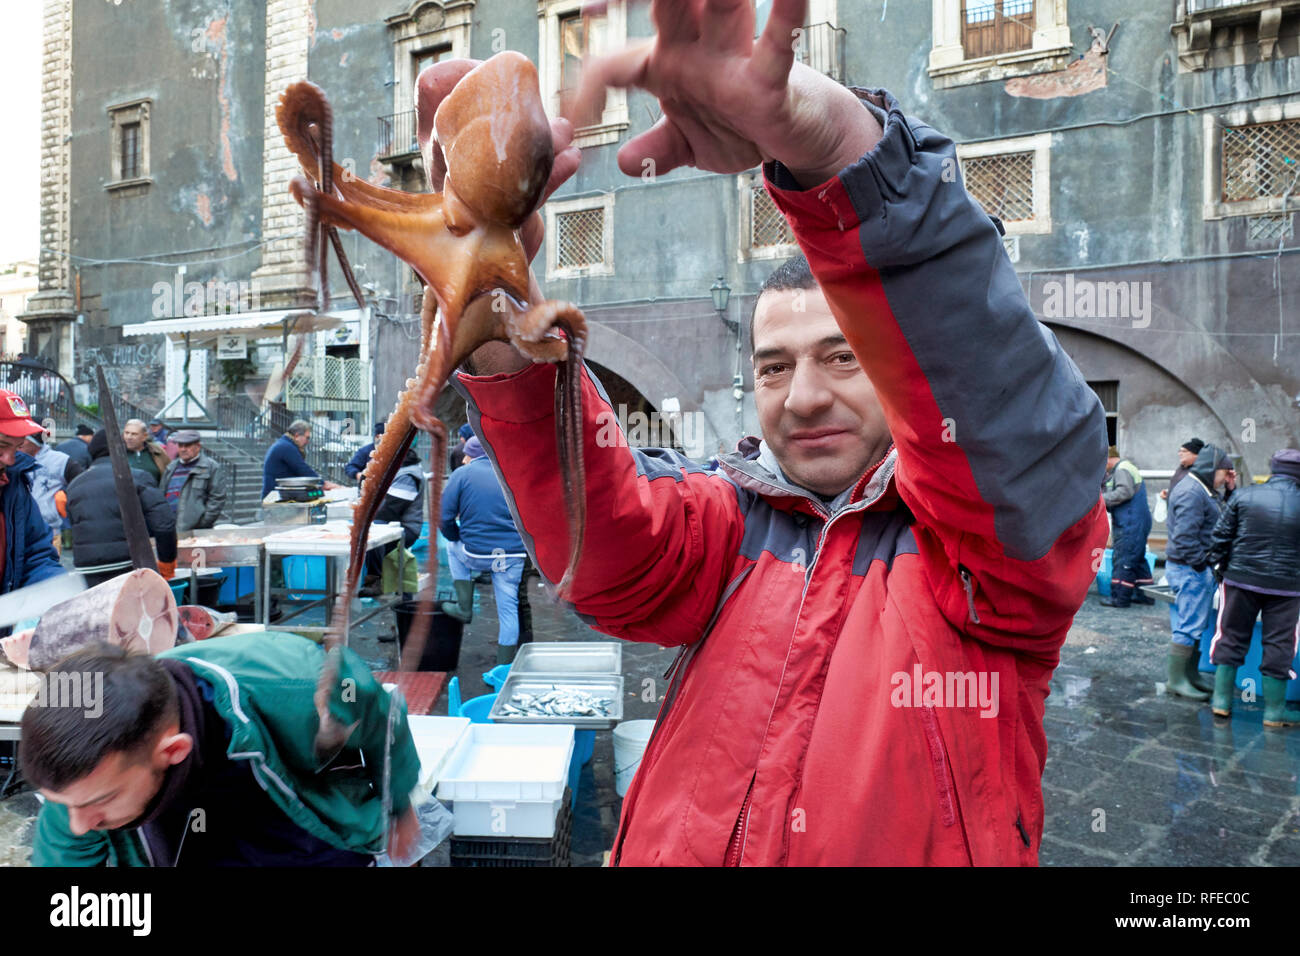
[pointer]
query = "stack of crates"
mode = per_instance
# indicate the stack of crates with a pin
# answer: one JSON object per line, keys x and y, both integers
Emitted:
{"x": 518, "y": 851}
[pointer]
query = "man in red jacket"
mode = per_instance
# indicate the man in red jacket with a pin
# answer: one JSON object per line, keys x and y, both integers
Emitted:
{"x": 871, "y": 601}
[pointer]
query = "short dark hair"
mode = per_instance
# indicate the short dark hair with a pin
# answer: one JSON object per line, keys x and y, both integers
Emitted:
{"x": 790, "y": 275}
{"x": 63, "y": 744}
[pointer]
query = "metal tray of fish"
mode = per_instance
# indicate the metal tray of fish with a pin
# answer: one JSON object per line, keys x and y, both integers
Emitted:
{"x": 587, "y": 701}
{"x": 569, "y": 657}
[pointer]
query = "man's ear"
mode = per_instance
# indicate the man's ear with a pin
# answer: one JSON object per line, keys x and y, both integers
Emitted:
{"x": 172, "y": 749}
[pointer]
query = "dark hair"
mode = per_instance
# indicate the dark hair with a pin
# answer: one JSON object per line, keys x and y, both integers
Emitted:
{"x": 98, "y": 446}
{"x": 63, "y": 744}
{"x": 790, "y": 275}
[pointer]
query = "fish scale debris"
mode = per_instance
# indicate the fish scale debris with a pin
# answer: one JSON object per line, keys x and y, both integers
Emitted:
{"x": 558, "y": 702}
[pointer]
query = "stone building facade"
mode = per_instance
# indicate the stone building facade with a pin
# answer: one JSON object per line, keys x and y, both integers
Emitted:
{"x": 1140, "y": 158}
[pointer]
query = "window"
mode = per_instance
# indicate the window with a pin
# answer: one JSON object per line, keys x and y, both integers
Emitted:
{"x": 1108, "y": 392}
{"x": 989, "y": 27}
{"x": 764, "y": 233}
{"x": 1011, "y": 179}
{"x": 980, "y": 40}
{"x": 580, "y": 237}
{"x": 129, "y": 133}
{"x": 130, "y": 150}
{"x": 565, "y": 36}
{"x": 1252, "y": 162}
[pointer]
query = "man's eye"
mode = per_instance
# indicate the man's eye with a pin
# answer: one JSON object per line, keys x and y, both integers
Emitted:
{"x": 773, "y": 369}
{"x": 844, "y": 358}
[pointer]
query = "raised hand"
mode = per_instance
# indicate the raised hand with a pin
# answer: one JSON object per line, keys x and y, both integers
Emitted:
{"x": 730, "y": 102}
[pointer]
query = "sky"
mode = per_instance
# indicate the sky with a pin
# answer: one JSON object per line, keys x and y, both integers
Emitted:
{"x": 20, "y": 118}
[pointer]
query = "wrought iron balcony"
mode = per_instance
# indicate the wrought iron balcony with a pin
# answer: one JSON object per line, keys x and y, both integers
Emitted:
{"x": 821, "y": 47}
{"x": 397, "y": 136}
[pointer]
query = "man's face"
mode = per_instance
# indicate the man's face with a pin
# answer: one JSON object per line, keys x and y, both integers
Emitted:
{"x": 121, "y": 786}
{"x": 155, "y": 428}
{"x": 816, "y": 407}
{"x": 189, "y": 451}
{"x": 1220, "y": 477}
{"x": 301, "y": 440}
{"x": 1186, "y": 458}
{"x": 134, "y": 436}
{"x": 9, "y": 447}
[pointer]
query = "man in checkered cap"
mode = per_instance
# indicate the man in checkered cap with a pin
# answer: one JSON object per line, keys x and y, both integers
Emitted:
{"x": 27, "y": 553}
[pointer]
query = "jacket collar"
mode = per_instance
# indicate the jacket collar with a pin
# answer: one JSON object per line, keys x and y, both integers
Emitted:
{"x": 754, "y": 467}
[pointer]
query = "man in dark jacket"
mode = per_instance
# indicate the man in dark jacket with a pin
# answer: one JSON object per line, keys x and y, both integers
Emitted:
{"x": 78, "y": 446}
{"x": 99, "y": 547}
{"x": 1125, "y": 495}
{"x": 194, "y": 484}
{"x": 26, "y": 550}
{"x": 1193, "y": 512}
{"x": 1256, "y": 550}
{"x": 287, "y": 458}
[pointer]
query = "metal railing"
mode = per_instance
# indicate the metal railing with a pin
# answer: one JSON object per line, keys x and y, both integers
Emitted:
{"x": 397, "y": 134}
{"x": 821, "y": 46}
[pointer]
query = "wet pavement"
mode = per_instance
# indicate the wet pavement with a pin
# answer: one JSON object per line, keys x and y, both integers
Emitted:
{"x": 1133, "y": 777}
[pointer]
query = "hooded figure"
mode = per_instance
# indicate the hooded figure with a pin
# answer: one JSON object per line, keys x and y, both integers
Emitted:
{"x": 1125, "y": 495}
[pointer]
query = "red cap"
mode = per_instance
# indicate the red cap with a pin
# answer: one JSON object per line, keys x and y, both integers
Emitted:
{"x": 15, "y": 419}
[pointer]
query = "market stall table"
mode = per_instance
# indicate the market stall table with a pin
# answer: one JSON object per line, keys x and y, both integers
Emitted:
{"x": 236, "y": 547}
{"x": 420, "y": 688}
{"x": 331, "y": 542}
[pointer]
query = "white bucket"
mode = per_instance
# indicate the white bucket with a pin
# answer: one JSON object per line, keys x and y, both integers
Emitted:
{"x": 630, "y": 739}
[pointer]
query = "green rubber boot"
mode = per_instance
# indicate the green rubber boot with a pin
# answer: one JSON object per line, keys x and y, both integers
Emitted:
{"x": 1225, "y": 689}
{"x": 1275, "y": 712}
{"x": 462, "y": 609}
{"x": 1179, "y": 655}
{"x": 1194, "y": 675}
{"x": 506, "y": 653}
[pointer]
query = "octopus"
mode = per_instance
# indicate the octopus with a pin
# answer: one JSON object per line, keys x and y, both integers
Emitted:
{"x": 489, "y": 154}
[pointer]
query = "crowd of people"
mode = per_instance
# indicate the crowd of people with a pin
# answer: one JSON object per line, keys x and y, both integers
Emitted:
{"x": 1243, "y": 543}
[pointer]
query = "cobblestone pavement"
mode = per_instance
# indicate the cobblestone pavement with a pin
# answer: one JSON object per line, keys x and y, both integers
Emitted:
{"x": 1133, "y": 777}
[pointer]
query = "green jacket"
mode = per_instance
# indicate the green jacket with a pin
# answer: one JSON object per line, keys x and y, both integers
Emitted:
{"x": 264, "y": 685}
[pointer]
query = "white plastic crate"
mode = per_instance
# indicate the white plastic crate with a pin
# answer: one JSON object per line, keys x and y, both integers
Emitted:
{"x": 508, "y": 780}
{"x": 435, "y": 738}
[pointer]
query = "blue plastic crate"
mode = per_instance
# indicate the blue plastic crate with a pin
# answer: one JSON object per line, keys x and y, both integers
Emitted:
{"x": 1103, "y": 576}
{"x": 1249, "y": 670}
{"x": 306, "y": 572}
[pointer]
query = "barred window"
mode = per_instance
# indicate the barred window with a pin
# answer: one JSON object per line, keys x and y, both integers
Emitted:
{"x": 129, "y": 138}
{"x": 580, "y": 237}
{"x": 767, "y": 226}
{"x": 1003, "y": 184}
{"x": 1260, "y": 161}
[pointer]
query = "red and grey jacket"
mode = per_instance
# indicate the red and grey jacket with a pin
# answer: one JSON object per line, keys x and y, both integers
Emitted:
{"x": 863, "y": 687}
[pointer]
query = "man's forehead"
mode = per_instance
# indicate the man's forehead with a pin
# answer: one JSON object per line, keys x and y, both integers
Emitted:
{"x": 794, "y": 320}
{"x": 103, "y": 780}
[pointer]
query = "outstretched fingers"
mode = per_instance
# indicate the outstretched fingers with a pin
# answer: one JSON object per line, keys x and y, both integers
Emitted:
{"x": 622, "y": 69}
{"x": 774, "y": 52}
{"x": 660, "y": 149}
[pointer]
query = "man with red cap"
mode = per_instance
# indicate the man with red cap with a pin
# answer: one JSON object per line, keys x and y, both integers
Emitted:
{"x": 27, "y": 553}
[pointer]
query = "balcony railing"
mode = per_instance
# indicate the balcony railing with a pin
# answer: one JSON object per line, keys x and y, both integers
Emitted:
{"x": 822, "y": 47}
{"x": 397, "y": 135}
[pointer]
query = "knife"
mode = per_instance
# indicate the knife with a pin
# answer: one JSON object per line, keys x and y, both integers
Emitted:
{"x": 128, "y": 500}
{"x": 35, "y": 599}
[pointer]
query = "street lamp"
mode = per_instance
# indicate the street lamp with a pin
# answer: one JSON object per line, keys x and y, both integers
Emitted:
{"x": 721, "y": 293}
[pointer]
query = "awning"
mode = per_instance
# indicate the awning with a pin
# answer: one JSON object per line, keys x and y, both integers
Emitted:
{"x": 256, "y": 325}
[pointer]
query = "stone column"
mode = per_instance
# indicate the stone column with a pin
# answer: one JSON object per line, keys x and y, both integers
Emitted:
{"x": 52, "y": 310}
{"x": 282, "y": 279}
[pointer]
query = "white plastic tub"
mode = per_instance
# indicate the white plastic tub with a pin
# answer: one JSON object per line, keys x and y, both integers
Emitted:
{"x": 435, "y": 738}
{"x": 508, "y": 780}
{"x": 630, "y": 740}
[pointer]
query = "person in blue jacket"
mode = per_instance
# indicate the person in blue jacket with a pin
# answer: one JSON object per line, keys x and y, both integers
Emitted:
{"x": 28, "y": 553}
{"x": 287, "y": 458}
{"x": 357, "y": 463}
{"x": 481, "y": 536}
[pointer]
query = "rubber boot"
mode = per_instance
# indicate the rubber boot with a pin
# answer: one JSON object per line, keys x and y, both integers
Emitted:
{"x": 1275, "y": 711}
{"x": 506, "y": 653}
{"x": 1225, "y": 689}
{"x": 1194, "y": 675}
{"x": 462, "y": 609}
{"x": 1178, "y": 682}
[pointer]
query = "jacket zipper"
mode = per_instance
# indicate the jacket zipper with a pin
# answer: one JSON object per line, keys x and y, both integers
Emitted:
{"x": 968, "y": 583}
{"x": 857, "y": 506}
{"x": 736, "y": 845}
